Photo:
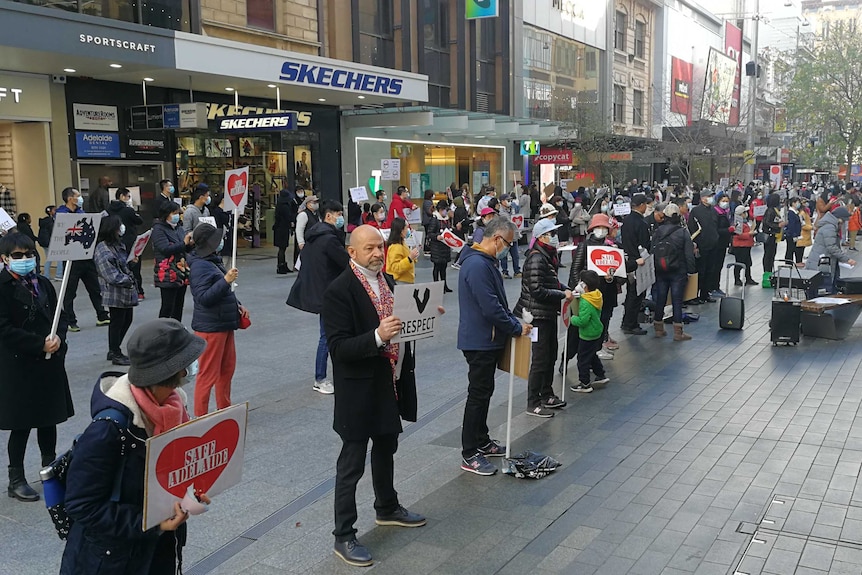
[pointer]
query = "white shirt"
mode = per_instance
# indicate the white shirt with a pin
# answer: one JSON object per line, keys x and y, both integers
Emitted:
{"x": 374, "y": 282}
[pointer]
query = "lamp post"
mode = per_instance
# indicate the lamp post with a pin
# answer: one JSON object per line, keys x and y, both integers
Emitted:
{"x": 750, "y": 163}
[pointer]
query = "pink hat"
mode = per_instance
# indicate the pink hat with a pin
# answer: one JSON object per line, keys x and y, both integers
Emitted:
{"x": 486, "y": 211}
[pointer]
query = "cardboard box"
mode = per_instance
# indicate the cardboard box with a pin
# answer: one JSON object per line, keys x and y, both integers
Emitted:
{"x": 523, "y": 348}
{"x": 690, "y": 290}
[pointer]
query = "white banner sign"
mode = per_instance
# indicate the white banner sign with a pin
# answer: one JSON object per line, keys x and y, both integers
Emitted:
{"x": 622, "y": 209}
{"x": 99, "y": 118}
{"x": 74, "y": 237}
{"x": 139, "y": 245}
{"x": 453, "y": 241}
{"x": 645, "y": 274}
{"x": 207, "y": 220}
{"x": 759, "y": 211}
{"x": 359, "y": 195}
{"x": 390, "y": 169}
{"x": 6, "y": 221}
{"x": 205, "y": 453}
{"x": 416, "y": 306}
{"x": 236, "y": 189}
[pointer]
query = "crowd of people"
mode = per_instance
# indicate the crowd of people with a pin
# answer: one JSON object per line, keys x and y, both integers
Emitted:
{"x": 348, "y": 282}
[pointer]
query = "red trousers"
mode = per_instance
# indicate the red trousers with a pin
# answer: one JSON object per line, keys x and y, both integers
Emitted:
{"x": 215, "y": 369}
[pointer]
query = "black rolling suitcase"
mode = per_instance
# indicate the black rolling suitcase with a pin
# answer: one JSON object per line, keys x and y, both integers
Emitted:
{"x": 785, "y": 325}
{"x": 731, "y": 310}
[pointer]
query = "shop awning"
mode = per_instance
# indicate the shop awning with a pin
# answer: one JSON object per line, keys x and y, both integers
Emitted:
{"x": 430, "y": 120}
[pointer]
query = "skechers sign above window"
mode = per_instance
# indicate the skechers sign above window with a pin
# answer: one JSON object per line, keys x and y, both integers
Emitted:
{"x": 259, "y": 123}
{"x": 338, "y": 78}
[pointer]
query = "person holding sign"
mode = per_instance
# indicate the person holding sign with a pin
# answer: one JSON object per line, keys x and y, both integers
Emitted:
{"x": 441, "y": 253}
{"x": 122, "y": 208}
{"x": 400, "y": 259}
{"x": 674, "y": 263}
{"x": 375, "y": 387}
{"x": 215, "y": 319}
{"x": 119, "y": 290}
{"x": 107, "y": 519}
{"x": 34, "y": 391}
{"x": 170, "y": 245}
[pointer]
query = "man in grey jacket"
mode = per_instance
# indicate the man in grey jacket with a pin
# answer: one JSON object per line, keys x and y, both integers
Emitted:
{"x": 197, "y": 209}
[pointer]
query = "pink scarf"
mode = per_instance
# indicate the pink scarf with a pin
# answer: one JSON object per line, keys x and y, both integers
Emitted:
{"x": 384, "y": 306}
{"x": 164, "y": 416}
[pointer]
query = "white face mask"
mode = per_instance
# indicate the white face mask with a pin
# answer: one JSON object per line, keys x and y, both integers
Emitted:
{"x": 723, "y": 205}
{"x": 600, "y": 233}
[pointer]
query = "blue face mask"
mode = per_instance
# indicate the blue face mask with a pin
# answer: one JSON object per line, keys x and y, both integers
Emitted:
{"x": 172, "y": 190}
{"x": 220, "y": 246}
{"x": 209, "y": 199}
{"x": 175, "y": 219}
{"x": 122, "y": 229}
{"x": 80, "y": 201}
{"x": 23, "y": 266}
{"x": 339, "y": 222}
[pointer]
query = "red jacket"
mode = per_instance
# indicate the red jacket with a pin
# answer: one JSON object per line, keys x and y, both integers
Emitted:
{"x": 745, "y": 239}
{"x": 755, "y": 202}
{"x": 396, "y": 209}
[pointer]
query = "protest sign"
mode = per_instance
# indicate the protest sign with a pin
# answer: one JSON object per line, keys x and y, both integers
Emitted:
{"x": 759, "y": 211}
{"x": 139, "y": 245}
{"x": 645, "y": 274}
{"x": 453, "y": 241}
{"x": 604, "y": 260}
{"x": 206, "y": 453}
{"x": 416, "y": 239}
{"x": 414, "y": 216}
{"x": 359, "y": 195}
{"x": 518, "y": 220}
{"x": 416, "y": 306}
{"x": 622, "y": 209}
{"x": 235, "y": 198}
{"x": 6, "y": 221}
{"x": 207, "y": 220}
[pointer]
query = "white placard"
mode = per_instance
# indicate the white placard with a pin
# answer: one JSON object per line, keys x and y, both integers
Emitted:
{"x": 390, "y": 169}
{"x": 74, "y": 237}
{"x": 645, "y": 274}
{"x": 385, "y": 234}
{"x": 359, "y": 195}
{"x": 139, "y": 245}
{"x": 99, "y": 118}
{"x": 6, "y": 221}
{"x": 85, "y": 184}
{"x": 453, "y": 241}
{"x": 622, "y": 209}
{"x": 236, "y": 189}
{"x": 518, "y": 220}
{"x": 602, "y": 259}
{"x": 416, "y": 239}
{"x": 414, "y": 216}
{"x": 759, "y": 211}
{"x": 206, "y": 453}
{"x": 207, "y": 220}
{"x": 416, "y": 305}
{"x": 135, "y": 192}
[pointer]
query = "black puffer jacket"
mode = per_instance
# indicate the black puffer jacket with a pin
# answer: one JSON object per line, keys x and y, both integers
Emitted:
{"x": 541, "y": 290}
{"x": 440, "y": 252}
{"x": 680, "y": 240}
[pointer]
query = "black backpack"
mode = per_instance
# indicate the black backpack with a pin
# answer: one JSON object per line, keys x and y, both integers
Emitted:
{"x": 665, "y": 255}
{"x": 54, "y": 476}
{"x": 46, "y": 227}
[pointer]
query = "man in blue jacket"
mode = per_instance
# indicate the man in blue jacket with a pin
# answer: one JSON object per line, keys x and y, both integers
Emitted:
{"x": 484, "y": 327}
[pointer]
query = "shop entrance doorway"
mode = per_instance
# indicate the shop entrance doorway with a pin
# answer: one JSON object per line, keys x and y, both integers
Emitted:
{"x": 140, "y": 177}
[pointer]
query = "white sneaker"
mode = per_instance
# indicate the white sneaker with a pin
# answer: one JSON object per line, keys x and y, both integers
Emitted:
{"x": 324, "y": 387}
{"x": 603, "y": 354}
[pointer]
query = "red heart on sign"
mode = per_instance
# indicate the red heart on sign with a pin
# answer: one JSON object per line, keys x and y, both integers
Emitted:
{"x": 237, "y": 185}
{"x": 197, "y": 460}
{"x": 453, "y": 241}
{"x": 605, "y": 260}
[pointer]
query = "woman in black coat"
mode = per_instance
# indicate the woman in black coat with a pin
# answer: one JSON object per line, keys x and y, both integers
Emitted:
{"x": 169, "y": 250}
{"x": 34, "y": 391}
{"x": 282, "y": 229}
{"x": 440, "y": 252}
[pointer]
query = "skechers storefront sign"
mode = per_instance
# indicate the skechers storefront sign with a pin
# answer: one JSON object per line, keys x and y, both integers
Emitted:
{"x": 338, "y": 78}
{"x": 259, "y": 123}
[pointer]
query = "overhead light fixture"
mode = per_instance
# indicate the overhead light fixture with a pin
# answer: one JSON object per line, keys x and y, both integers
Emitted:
{"x": 361, "y": 97}
{"x": 69, "y": 70}
{"x": 321, "y": 99}
{"x": 116, "y": 65}
{"x": 229, "y": 89}
{"x": 148, "y": 80}
{"x": 270, "y": 85}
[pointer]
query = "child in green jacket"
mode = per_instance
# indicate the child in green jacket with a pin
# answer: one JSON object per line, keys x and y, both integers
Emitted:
{"x": 590, "y": 328}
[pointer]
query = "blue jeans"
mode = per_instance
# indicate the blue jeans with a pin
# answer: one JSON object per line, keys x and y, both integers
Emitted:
{"x": 59, "y": 271}
{"x": 322, "y": 355}
{"x": 516, "y": 264}
{"x": 675, "y": 284}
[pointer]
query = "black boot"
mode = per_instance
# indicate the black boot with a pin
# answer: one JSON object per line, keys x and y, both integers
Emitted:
{"x": 281, "y": 269}
{"x": 18, "y": 487}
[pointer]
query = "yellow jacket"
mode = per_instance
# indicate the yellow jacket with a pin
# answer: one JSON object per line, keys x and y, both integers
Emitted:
{"x": 805, "y": 238}
{"x": 398, "y": 264}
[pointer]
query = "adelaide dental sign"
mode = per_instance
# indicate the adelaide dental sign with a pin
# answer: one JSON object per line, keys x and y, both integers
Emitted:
{"x": 331, "y": 77}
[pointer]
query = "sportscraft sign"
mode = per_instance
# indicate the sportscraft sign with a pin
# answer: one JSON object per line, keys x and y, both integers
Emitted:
{"x": 417, "y": 306}
{"x": 311, "y": 75}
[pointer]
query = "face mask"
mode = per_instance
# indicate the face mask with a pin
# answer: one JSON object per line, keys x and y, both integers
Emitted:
{"x": 559, "y": 204}
{"x": 80, "y": 201}
{"x": 312, "y": 207}
{"x": 724, "y": 205}
{"x": 219, "y": 248}
{"x": 605, "y": 208}
{"x": 192, "y": 370}
{"x": 759, "y": 196}
{"x": 300, "y": 194}
{"x": 122, "y": 229}
{"x": 175, "y": 219}
{"x": 710, "y": 200}
{"x": 600, "y": 233}
{"x": 209, "y": 199}
{"x": 409, "y": 233}
{"x": 339, "y": 222}
{"x": 502, "y": 254}
{"x": 380, "y": 216}
{"x": 554, "y": 242}
{"x": 688, "y": 205}
{"x": 172, "y": 189}
{"x": 23, "y": 266}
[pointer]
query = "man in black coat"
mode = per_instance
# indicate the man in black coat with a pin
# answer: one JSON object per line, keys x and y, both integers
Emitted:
{"x": 323, "y": 260}
{"x": 703, "y": 225}
{"x": 375, "y": 387}
{"x": 635, "y": 235}
{"x": 122, "y": 208}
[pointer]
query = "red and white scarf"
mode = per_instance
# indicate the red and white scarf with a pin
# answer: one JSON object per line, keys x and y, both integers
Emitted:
{"x": 384, "y": 305}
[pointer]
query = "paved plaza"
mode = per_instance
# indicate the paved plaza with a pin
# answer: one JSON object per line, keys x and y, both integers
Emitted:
{"x": 714, "y": 456}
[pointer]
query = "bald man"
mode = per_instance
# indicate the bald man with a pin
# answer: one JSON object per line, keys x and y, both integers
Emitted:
{"x": 375, "y": 387}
